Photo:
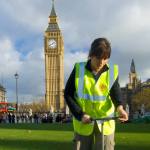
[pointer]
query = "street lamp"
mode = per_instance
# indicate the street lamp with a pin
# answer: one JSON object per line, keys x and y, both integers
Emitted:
{"x": 16, "y": 77}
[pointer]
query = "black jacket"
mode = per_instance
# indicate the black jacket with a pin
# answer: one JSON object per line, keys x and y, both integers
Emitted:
{"x": 75, "y": 109}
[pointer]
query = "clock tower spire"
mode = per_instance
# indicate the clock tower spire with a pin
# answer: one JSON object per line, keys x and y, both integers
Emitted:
{"x": 53, "y": 25}
{"x": 54, "y": 64}
{"x": 53, "y": 13}
{"x": 133, "y": 79}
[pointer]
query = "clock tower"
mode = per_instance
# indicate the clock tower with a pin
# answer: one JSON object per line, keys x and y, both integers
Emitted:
{"x": 54, "y": 64}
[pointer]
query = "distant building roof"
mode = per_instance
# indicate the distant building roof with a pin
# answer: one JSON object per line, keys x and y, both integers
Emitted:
{"x": 2, "y": 88}
{"x": 148, "y": 80}
{"x": 52, "y": 27}
{"x": 132, "y": 68}
{"x": 146, "y": 84}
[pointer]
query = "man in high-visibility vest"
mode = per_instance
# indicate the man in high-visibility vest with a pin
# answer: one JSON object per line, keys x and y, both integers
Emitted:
{"x": 93, "y": 91}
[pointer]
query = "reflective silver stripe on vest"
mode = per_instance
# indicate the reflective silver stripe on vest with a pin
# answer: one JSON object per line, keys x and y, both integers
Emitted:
{"x": 94, "y": 97}
{"x": 81, "y": 79}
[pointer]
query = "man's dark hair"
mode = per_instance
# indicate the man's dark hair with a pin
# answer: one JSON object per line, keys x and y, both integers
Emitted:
{"x": 100, "y": 48}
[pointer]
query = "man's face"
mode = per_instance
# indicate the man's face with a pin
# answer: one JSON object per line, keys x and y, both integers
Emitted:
{"x": 98, "y": 64}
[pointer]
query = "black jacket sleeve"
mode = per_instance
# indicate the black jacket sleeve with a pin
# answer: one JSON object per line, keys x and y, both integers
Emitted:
{"x": 115, "y": 93}
{"x": 70, "y": 99}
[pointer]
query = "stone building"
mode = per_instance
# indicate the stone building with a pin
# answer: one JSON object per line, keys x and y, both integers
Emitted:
{"x": 54, "y": 64}
{"x": 130, "y": 89}
{"x": 134, "y": 86}
{"x": 2, "y": 94}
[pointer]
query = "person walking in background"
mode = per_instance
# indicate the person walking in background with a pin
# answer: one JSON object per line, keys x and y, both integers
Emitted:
{"x": 9, "y": 117}
{"x": 13, "y": 118}
{"x": 93, "y": 91}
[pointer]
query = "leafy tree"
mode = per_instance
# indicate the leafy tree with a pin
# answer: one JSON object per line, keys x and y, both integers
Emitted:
{"x": 36, "y": 106}
{"x": 141, "y": 97}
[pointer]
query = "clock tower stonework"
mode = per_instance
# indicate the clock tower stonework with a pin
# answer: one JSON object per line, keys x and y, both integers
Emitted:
{"x": 54, "y": 65}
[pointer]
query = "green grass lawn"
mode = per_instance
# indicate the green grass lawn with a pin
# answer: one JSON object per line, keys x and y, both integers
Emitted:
{"x": 59, "y": 137}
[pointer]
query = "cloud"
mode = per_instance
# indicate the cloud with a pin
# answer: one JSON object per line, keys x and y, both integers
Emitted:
{"x": 32, "y": 73}
{"x": 124, "y": 23}
{"x": 9, "y": 57}
{"x": 70, "y": 59}
{"x": 30, "y": 70}
{"x": 29, "y": 14}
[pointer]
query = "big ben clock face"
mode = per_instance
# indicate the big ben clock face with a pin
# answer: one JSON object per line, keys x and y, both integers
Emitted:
{"x": 52, "y": 43}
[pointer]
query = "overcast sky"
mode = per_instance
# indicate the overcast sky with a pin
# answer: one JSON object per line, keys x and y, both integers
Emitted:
{"x": 125, "y": 23}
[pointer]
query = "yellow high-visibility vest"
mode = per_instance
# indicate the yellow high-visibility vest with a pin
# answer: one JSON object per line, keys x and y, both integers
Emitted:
{"x": 94, "y": 98}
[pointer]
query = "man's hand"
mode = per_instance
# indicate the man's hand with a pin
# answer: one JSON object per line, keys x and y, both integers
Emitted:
{"x": 86, "y": 119}
{"x": 123, "y": 116}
